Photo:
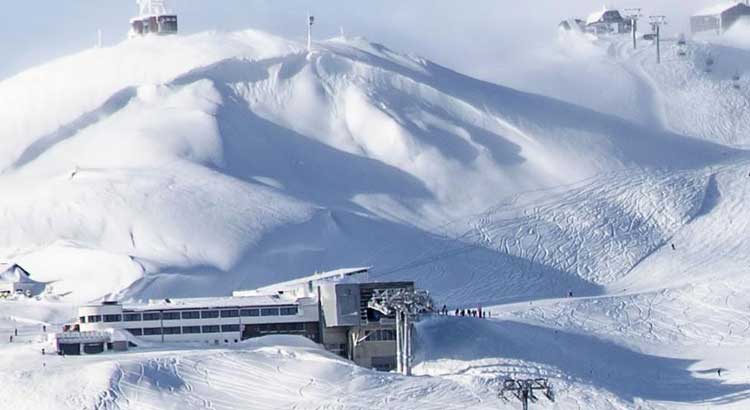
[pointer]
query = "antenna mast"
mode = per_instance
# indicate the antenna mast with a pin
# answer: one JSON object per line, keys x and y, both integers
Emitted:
{"x": 310, "y": 22}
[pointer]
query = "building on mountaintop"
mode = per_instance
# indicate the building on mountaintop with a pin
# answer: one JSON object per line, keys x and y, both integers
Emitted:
{"x": 719, "y": 18}
{"x": 572, "y": 24}
{"x": 154, "y": 17}
{"x": 607, "y": 21}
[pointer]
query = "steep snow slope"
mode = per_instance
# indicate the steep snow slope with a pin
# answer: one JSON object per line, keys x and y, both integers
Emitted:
{"x": 703, "y": 100}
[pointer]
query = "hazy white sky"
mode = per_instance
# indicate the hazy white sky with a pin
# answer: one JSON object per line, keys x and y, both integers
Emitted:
{"x": 472, "y": 36}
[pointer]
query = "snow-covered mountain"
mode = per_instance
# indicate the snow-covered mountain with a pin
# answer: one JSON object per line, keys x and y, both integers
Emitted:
{"x": 177, "y": 166}
{"x": 187, "y": 166}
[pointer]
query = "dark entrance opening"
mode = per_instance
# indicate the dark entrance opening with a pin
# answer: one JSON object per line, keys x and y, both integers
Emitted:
{"x": 93, "y": 348}
{"x": 71, "y": 349}
{"x": 309, "y": 330}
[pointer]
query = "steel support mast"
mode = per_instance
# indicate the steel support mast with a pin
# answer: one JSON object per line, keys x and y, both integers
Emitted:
{"x": 656, "y": 23}
{"x": 523, "y": 390}
{"x": 634, "y": 15}
{"x": 406, "y": 305}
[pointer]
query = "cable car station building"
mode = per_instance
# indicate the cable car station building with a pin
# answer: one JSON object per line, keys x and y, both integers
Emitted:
{"x": 329, "y": 308}
{"x": 153, "y": 18}
{"x": 718, "y": 19}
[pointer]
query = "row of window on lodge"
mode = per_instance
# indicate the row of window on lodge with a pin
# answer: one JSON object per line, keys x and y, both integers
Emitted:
{"x": 195, "y": 314}
{"x": 177, "y": 330}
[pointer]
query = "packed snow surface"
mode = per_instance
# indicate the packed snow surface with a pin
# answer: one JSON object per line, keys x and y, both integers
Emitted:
{"x": 192, "y": 166}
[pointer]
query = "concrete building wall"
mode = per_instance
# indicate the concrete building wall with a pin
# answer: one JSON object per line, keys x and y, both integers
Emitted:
{"x": 699, "y": 24}
{"x": 732, "y": 15}
{"x": 373, "y": 347}
{"x": 340, "y": 304}
{"x": 335, "y": 339}
{"x": 720, "y": 22}
{"x": 164, "y": 324}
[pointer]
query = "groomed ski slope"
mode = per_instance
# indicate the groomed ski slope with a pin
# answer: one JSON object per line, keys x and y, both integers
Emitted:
{"x": 241, "y": 160}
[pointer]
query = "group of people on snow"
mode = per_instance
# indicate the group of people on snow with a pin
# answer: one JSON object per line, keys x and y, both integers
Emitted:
{"x": 464, "y": 312}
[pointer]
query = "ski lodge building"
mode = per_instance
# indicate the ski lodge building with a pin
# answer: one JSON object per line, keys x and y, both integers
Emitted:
{"x": 329, "y": 308}
{"x": 718, "y": 19}
{"x": 607, "y": 21}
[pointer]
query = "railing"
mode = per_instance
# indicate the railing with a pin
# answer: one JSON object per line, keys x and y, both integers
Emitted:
{"x": 82, "y": 337}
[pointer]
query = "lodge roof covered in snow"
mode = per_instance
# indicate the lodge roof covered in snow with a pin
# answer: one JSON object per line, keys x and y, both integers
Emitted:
{"x": 323, "y": 276}
{"x": 600, "y": 15}
{"x": 211, "y": 303}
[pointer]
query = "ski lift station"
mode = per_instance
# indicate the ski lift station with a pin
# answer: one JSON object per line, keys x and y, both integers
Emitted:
{"x": 154, "y": 17}
{"x": 332, "y": 309}
{"x": 607, "y": 21}
{"x": 604, "y": 21}
{"x": 718, "y": 19}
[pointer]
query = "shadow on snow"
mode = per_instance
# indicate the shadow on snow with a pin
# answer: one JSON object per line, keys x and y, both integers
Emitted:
{"x": 584, "y": 358}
